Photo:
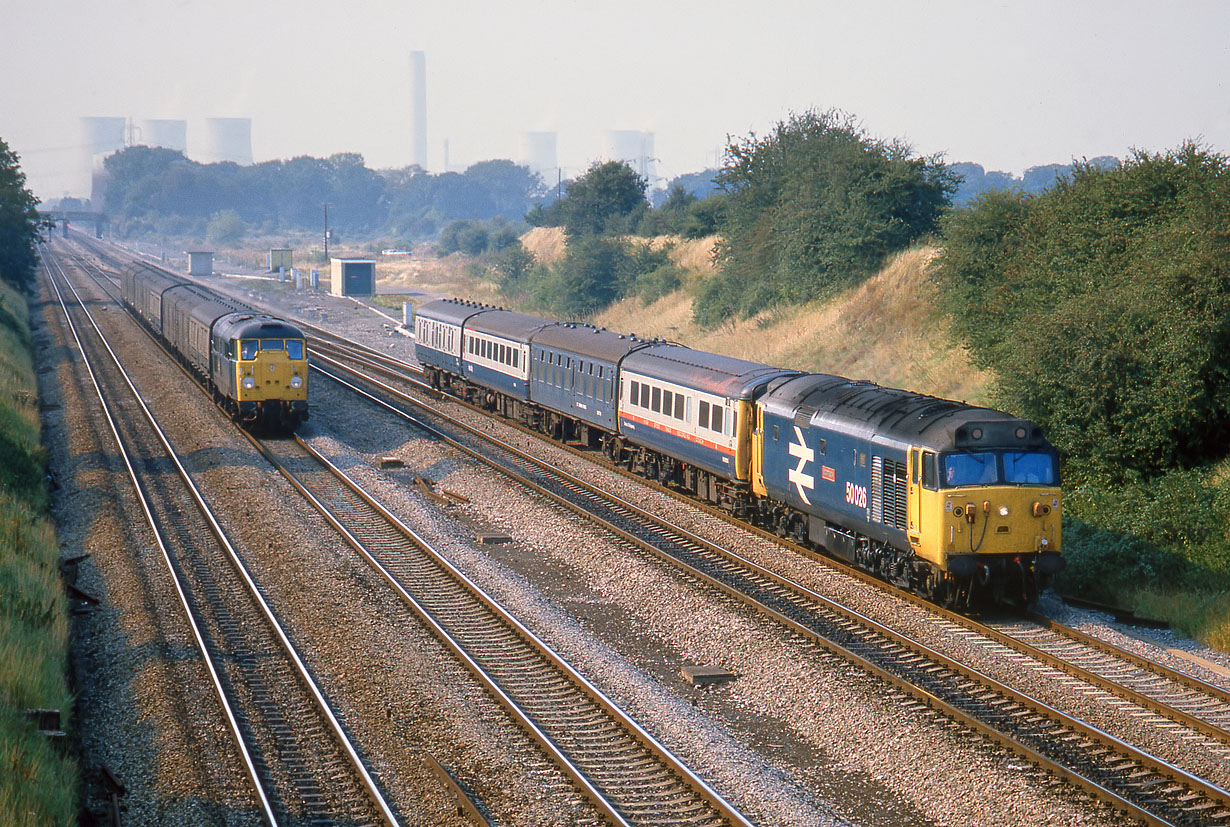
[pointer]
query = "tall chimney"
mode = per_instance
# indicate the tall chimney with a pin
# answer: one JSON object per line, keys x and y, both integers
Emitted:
{"x": 418, "y": 109}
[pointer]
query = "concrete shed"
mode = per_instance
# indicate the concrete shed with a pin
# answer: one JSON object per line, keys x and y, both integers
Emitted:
{"x": 353, "y": 277}
{"x": 200, "y": 262}
{"x": 280, "y": 257}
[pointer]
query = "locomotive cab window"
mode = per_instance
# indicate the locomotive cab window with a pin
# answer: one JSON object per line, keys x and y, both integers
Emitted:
{"x": 1030, "y": 468}
{"x": 974, "y": 468}
{"x": 776, "y": 433}
{"x": 273, "y": 344}
{"x": 248, "y": 349}
{"x": 930, "y": 476}
{"x": 294, "y": 348}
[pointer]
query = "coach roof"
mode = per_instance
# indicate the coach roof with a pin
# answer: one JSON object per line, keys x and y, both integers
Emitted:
{"x": 588, "y": 342}
{"x": 720, "y": 375}
{"x": 451, "y": 311}
{"x": 507, "y": 323}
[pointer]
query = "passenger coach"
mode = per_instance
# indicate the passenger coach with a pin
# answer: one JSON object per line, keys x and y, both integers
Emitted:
{"x": 690, "y": 415}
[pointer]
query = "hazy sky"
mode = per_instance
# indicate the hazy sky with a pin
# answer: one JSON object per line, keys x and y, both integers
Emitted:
{"x": 1006, "y": 84}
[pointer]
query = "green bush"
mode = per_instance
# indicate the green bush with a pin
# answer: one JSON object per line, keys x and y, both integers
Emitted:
{"x": 1104, "y": 307}
{"x": 225, "y": 227}
{"x": 814, "y": 206}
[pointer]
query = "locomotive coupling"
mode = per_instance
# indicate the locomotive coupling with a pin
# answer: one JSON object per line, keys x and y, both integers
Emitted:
{"x": 1041, "y": 509}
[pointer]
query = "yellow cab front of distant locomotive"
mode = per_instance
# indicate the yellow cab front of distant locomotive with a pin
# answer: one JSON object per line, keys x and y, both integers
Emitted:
{"x": 271, "y": 369}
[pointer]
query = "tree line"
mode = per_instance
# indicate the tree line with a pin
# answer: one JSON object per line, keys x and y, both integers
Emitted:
{"x": 159, "y": 191}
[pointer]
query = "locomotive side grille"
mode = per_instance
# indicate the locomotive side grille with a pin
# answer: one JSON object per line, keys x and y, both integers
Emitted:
{"x": 888, "y": 492}
{"x": 877, "y": 489}
{"x": 897, "y": 504}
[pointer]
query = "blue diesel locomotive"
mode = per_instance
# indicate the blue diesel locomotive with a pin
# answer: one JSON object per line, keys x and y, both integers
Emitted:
{"x": 958, "y": 503}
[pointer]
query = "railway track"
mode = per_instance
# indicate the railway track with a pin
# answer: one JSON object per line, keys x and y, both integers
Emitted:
{"x": 1131, "y": 779}
{"x": 619, "y": 766}
{"x": 302, "y": 766}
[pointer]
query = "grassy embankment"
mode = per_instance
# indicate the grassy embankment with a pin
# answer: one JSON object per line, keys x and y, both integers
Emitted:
{"x": 38, "y": 784}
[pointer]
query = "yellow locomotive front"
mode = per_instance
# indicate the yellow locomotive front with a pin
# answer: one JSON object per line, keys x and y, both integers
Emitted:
{"x": 268, "y": 379}
{"x": 270, "y": 370}
{"x": 987, "y": 517}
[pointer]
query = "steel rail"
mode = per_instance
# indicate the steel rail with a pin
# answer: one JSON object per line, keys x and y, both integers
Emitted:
{"x": 146, "y": 508}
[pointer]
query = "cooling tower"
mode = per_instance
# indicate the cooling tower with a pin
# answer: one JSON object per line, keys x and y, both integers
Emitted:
{"x": 99, "y": 138}
{"x": 418, "y": 109}
{"x": 227, "y": 139}
{"x": 539, "y": 154}
{"x": 634, "y": 148}
{"x": 168, "y": 134}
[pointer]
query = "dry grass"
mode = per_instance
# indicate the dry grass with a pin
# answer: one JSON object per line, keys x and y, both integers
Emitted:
{"x": 889, "y": 330}
{"x": 449, "y": 276}
{"x": 547, "y": 244}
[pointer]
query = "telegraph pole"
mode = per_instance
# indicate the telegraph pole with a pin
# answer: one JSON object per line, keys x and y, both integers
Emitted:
{"x": 326, "y": 232}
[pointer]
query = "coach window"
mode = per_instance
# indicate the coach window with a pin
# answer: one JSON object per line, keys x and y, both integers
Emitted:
{"x": 634, "y": 395}
{"x": 644, "y": 396}
{"x": 776, "y": 433}
{"x": 717, "y": 418}
{"x": 703, "y": 419}
{"x": 679, "y": 406}
{"x": 668, "y": 402}
{"x": 656, "y": 405}
{"x": 823, "y": 444}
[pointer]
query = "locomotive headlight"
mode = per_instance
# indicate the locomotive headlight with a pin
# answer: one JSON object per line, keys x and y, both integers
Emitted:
{"x": 249, "y": 383}
{"x": 1003, "y": 511}
{"x": 296, "y": 381}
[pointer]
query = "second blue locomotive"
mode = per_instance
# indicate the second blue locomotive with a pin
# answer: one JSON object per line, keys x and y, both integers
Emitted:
{"x": 953, "y": 501}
